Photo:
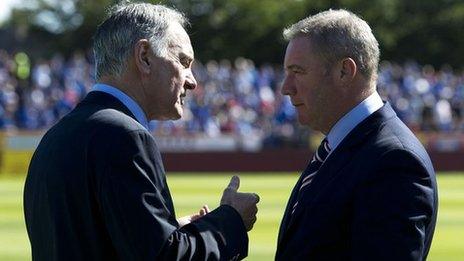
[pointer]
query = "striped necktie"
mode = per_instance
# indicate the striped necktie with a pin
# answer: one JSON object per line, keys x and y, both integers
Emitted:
{"x": 316, "y": 162}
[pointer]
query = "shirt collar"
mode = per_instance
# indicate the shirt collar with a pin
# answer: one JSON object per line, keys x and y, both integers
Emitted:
{"x": 126, "y": 100}
{"x": 348, "y": 122}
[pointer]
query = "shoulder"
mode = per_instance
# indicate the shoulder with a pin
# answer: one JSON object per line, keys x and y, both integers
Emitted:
{"x": 117, "y": 132}
{"x": 114, "y": 120}
{"x": 395, "y": 160}
{"x": 397, "y": 136}
{"x": 113, "y": 124}
{"x": 394, "y": 143}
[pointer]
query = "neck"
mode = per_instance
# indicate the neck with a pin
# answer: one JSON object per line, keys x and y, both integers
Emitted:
{"x": 343, "y": 105}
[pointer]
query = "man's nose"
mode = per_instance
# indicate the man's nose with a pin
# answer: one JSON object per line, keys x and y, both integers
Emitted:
{"x": 190, "y": 82}
{"x": 287, "y": 87}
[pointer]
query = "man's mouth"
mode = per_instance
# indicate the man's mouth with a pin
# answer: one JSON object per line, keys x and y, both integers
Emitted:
{"x": 297, "y": 104}
{"x": 181, "y": 98}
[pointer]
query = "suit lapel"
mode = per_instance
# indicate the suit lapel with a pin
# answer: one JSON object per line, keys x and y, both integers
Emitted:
{"x": 288, "y": 209}
{"x": 341, "y": 156}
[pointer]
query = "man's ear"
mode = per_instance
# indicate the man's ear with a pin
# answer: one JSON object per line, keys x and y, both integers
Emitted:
{"x": 142, "y": 60}
{"x": 348, "y": 70}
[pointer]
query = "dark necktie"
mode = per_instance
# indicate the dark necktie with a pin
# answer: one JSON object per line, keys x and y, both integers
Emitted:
{"x": 316, "y": 162}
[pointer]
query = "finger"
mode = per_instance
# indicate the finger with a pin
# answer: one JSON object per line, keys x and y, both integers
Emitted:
{"x": 202, "y": 212}
{"x": 251, "y": 223}
{"x": 206, "y": 208}
{"x": 255, "y": 210}
{"x": 234, "y": 183}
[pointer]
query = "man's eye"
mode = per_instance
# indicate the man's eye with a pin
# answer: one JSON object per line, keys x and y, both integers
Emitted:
{"x": 185, "y": 62}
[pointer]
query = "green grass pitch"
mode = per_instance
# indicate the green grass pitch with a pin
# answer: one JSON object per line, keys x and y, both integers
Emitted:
{"x": 191, "y": 191}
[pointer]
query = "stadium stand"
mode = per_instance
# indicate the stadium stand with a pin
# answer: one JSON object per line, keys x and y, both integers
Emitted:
{"x": 232, "y": 97}
{"x": 236, "y": 111}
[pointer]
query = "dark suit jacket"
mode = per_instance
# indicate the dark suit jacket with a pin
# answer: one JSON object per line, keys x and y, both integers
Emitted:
{"x": 375, "y": 198}
{"x": 96, "y": 190}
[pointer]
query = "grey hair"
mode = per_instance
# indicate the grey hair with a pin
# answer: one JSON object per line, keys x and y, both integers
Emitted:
{"x": 338, "y": 34}
{"x": 126, "y": 24}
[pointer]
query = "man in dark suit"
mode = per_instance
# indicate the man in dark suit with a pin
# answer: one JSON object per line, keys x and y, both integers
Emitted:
{"x": 96, "y": 187}
{"x": 369, "y": 192}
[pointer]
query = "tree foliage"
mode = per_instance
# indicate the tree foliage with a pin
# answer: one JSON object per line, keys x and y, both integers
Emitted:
{"x": 429, "y": 31}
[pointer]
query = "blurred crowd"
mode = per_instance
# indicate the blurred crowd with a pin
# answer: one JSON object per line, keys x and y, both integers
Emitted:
{"x": 35, "y": 95}
{"x": 233, "y": 97}
{"x": 424, "y": 98}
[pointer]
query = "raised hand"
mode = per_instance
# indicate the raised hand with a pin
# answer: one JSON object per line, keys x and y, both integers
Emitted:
{"x": 244, "y": 203}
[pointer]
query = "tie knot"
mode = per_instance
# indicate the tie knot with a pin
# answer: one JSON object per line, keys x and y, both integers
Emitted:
{"x": 322, "y": 151}
{"x": 325, "y": 144}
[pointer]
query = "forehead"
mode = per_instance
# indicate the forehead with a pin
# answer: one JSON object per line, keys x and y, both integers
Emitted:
{"x": 300, "y": 52}
{"x": 179, "y": 39}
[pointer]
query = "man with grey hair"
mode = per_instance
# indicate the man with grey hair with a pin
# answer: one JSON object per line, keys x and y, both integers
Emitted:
{"x": 369, "y": 192}
{"x": 96, "y": 187}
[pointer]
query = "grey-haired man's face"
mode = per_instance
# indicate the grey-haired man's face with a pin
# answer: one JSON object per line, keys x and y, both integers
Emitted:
{"x": 171, "y": 76}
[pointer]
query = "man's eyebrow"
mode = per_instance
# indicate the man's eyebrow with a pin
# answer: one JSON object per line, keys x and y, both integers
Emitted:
{"x": 187, "y": 54}
{"x": 295, "y": 67}
{"x": 173, "y": 45}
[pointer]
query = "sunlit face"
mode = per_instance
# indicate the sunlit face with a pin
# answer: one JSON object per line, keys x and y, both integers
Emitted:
{"x": 171, "y": 76}
{"x": 307, "y": 83}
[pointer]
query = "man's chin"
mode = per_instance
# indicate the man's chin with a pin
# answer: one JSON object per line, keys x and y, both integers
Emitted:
{"x": 303, "y": 120}
{"x": 171, "y": 117}
{"x": 177, "y": 117}
{"x": 177, "y": 114}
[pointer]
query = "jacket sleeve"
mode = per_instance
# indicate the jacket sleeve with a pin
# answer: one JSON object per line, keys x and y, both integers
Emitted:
{"x": 393, "y": 209}
{"x": 136, "y": 208}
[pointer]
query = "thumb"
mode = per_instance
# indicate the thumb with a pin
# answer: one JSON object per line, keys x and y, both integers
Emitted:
{"x": 234, "y": 183}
